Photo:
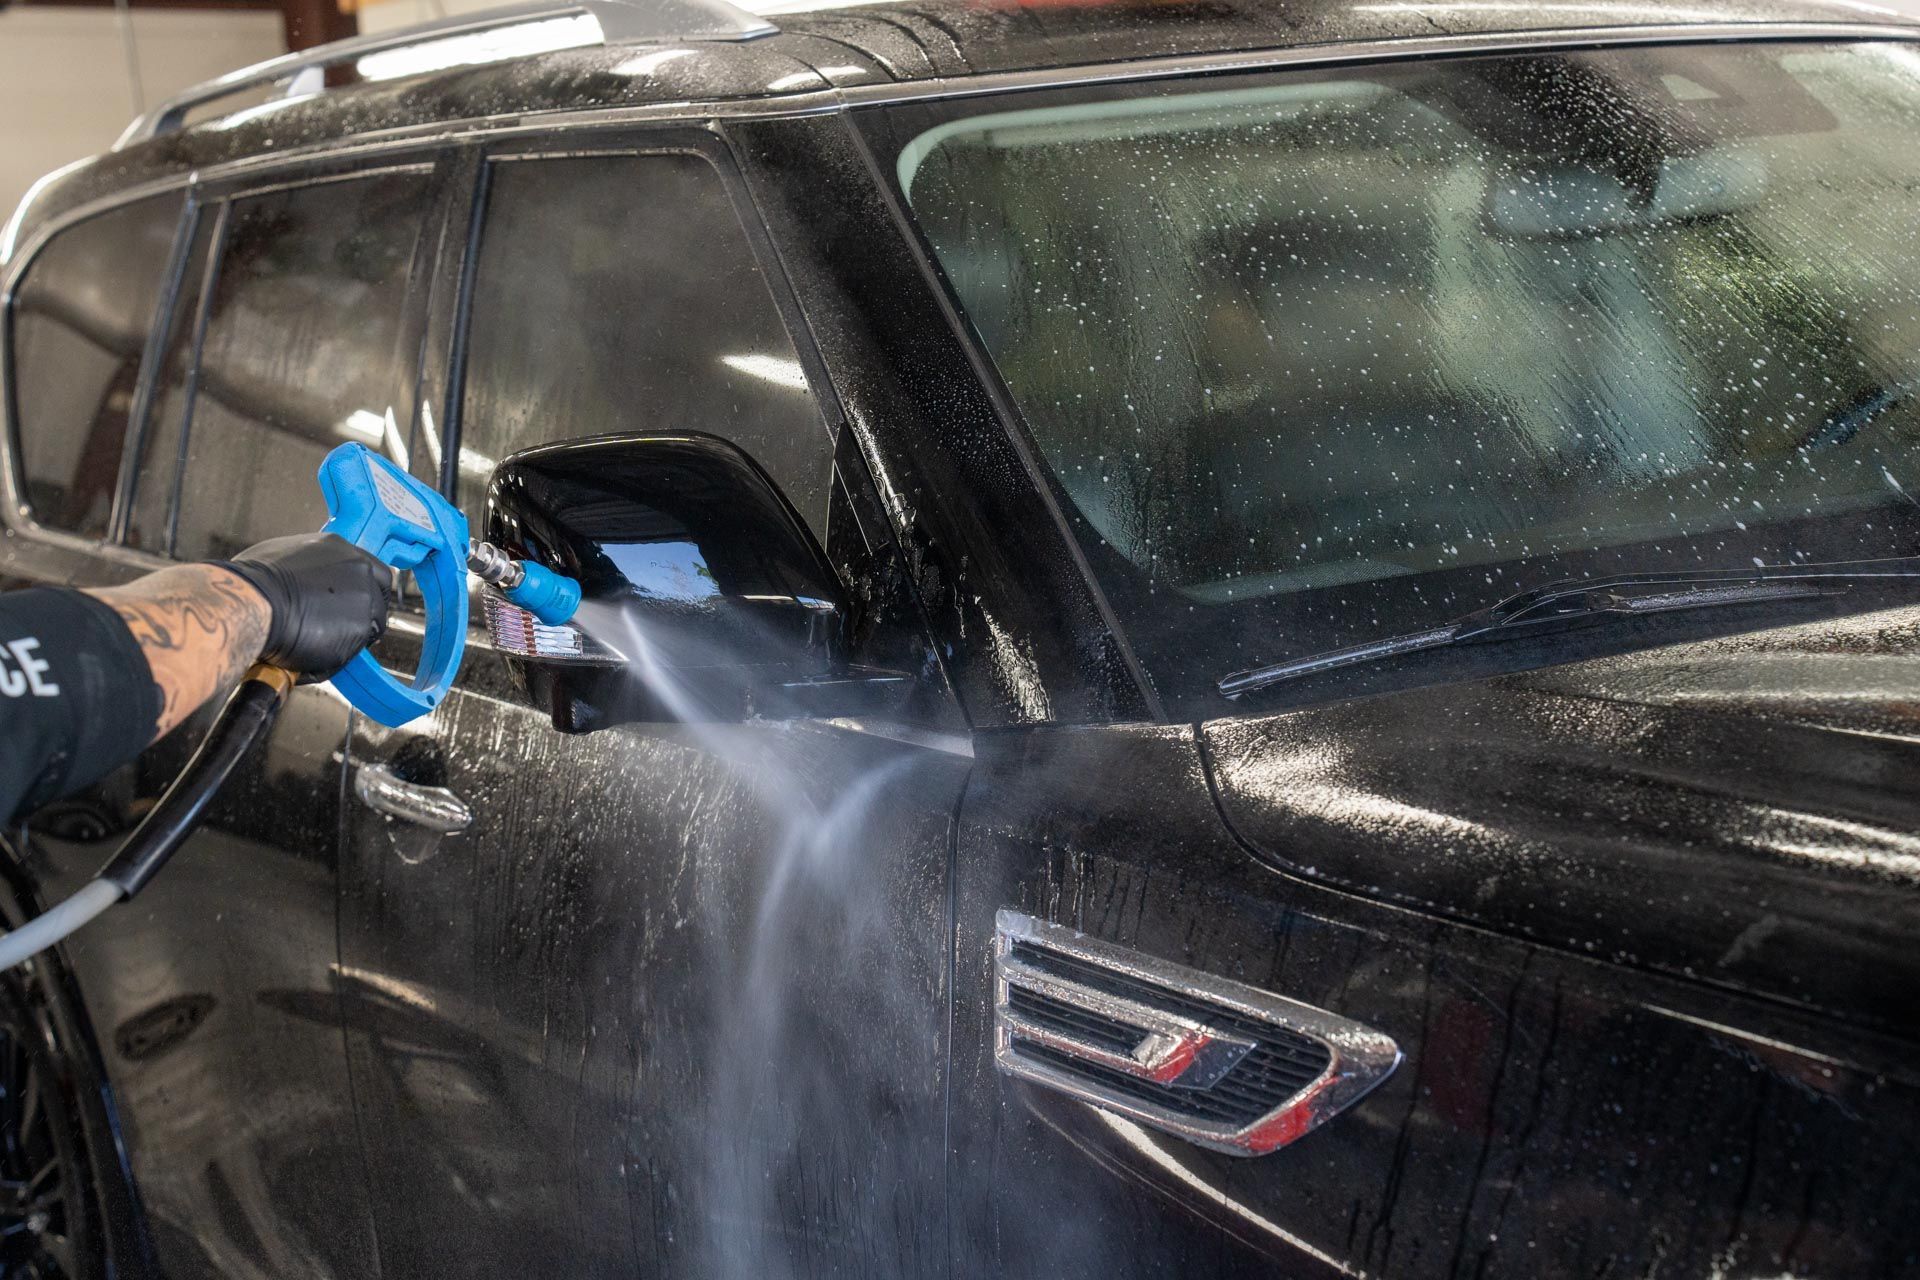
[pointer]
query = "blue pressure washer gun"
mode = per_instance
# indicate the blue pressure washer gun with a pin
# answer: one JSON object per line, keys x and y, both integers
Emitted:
{"x": 376, "y": 506}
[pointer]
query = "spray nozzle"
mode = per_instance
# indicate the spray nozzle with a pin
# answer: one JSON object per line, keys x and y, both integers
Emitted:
{"x": 551, "y": 597}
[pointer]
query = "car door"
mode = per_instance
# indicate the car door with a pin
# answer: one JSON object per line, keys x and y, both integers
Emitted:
{"x": 658, "y": 999}
{"x": 289, "y": 322}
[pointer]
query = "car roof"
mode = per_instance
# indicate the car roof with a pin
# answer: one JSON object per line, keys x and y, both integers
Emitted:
{"x": 792, "y": 55}
{"x": 917, "y": 39}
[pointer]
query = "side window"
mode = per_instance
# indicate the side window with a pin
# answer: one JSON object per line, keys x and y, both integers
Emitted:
{"x": 302, "y": 346}
{"x": 617, "y": 294}
{"x": 79, "y": 325}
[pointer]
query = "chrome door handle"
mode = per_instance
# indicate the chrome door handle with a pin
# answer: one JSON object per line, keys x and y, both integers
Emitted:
{"x": 435, "y": 808}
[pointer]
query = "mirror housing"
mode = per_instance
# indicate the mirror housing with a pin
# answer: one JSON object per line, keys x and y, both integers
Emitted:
{"x": 704, "y": 594}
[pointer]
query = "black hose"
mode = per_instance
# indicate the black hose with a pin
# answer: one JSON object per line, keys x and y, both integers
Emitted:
{"x": 243, "y": 721}
{"x": 249, "y": 713}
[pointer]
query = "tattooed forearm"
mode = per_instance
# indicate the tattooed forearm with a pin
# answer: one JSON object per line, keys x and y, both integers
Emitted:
{"x": 200, "y": 628}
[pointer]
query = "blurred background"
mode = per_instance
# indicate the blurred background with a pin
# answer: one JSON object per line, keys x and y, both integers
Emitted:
{"x": 74, "y": 72}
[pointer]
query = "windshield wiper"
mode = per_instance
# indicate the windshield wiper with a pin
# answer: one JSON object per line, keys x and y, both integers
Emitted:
{"x": 1621, "y": 596}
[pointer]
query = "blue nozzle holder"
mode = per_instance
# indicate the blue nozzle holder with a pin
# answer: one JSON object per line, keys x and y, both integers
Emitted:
{"x": 375, "y": 505}
{"x": 551, "y": 597}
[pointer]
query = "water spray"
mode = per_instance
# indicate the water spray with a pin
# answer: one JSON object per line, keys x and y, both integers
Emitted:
{"x": 375, "y": 505}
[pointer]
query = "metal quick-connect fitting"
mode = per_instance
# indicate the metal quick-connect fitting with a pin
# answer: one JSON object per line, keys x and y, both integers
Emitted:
{"x": 493, "y": 566}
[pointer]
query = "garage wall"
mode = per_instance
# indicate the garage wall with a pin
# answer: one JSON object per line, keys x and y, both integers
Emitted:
{"x": 64, "y": 88}
{"x": 385, "y": 15}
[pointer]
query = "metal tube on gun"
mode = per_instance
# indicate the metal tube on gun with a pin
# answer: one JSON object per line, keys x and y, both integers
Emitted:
{"x": 493, "y": 566}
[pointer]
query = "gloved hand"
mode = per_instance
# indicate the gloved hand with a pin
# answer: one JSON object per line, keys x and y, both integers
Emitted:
{"x": 329, "y": 599}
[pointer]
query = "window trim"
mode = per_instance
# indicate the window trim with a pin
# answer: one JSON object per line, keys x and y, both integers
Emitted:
{"x": 157, "y": 344}
{"x": 157, "y": 332}
{"x": 868, "y": 129}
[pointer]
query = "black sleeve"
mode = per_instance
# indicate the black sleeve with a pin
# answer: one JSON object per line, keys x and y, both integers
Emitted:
{"x": 77, "y": 698}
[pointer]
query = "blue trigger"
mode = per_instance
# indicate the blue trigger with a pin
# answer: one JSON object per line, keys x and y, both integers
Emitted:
{"x": 377, "y": 506}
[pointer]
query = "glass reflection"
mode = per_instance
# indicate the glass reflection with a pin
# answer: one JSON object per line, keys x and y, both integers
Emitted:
{"x": 1433, "y": 322}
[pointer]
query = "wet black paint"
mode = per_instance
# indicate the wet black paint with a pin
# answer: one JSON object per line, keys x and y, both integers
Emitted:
{"x": 716, "y": 1002}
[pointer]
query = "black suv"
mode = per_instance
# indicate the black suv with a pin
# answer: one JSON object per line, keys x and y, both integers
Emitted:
{"x": 1224, "y": 638}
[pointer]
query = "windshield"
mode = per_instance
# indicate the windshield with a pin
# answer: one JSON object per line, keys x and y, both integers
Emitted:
{"x": 1324, "y": 356}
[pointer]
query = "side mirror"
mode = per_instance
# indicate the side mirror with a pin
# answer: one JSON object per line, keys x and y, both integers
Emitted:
{"x": 705, "y": 596}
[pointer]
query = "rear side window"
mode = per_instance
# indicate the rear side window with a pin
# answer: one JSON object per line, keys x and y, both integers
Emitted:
{"x": 79, "y": 326}
{"x": 302, "y": 347}
{"x": 619, "y": 294}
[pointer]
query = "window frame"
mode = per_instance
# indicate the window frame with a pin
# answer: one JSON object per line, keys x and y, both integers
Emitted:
{"x": 206, "y": 194}
{"x": 616, "y": 142}
{"x": 437, "y": 306}
{"x": 19, "y": 511}
{"x": 217, "y": 199}
{"x": 876, "y": 123}
{"x": 442, "y": 389}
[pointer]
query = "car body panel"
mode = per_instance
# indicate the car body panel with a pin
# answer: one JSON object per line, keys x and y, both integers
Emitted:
{"x": 1555, "y": 1115}
{"x": 718, "y": 1000}
{"x": 1739, "y": 811}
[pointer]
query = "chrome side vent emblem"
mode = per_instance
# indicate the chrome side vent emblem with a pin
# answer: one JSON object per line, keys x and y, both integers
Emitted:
{"x": 1219, "y": 1063}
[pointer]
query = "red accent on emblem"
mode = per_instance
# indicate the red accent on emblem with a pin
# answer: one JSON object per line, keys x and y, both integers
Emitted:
{"x": 1180, "y": 1059}
{"x": 1288, "y": 1123}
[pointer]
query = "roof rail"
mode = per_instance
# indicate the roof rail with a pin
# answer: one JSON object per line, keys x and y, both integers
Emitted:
{"x": 620, "y": 22}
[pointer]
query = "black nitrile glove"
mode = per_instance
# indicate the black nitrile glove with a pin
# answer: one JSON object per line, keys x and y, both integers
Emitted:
{"x": 328, "y": 597}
